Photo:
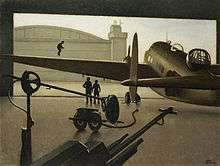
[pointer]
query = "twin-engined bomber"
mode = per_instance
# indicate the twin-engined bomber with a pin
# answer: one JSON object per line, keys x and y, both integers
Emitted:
{"x": 167, "y": 69}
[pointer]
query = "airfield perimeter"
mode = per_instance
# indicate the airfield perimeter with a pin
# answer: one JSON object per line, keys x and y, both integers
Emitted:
{"x": 191, "y": 138}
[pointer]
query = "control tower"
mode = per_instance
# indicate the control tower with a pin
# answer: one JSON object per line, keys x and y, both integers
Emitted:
{"x": 118, "y": 42}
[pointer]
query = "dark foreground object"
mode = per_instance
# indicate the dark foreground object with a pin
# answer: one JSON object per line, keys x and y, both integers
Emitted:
{"x": 75, "y": 153}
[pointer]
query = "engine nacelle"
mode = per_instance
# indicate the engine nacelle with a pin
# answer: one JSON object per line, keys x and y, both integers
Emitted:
{"x": 198, "y": 59}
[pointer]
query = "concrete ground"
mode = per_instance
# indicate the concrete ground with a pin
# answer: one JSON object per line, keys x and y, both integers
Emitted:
{"x": 191, "y": 138}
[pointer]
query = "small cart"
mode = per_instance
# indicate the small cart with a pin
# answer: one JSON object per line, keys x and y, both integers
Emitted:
{"x": 84, "y": 116}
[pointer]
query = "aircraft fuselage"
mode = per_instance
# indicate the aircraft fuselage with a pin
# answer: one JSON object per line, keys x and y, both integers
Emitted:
{"x": 172, "y": 62}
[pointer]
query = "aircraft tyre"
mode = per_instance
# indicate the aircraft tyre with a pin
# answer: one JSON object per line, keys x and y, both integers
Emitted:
{"x": 78, "y": 122}
{"x": 112, "y": 109}
{"x": 95, "y": 122}
{"x": 127, "y": 98}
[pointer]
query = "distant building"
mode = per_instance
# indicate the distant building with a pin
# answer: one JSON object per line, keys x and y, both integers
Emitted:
{"x": 41, "y": 40}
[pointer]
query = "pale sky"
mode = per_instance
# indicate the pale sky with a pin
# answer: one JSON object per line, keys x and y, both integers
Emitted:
{"x": 187, "y": 32}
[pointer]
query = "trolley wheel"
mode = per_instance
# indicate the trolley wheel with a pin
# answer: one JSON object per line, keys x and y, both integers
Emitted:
{"x": 79, "y": 123}
{"x": 95, "y": 122}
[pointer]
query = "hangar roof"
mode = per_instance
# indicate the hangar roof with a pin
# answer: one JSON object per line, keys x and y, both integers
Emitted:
{"x": 53, "y": 33}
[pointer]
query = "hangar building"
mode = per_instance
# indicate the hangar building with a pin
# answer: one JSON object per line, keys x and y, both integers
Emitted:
{"x": 41, "y": 40}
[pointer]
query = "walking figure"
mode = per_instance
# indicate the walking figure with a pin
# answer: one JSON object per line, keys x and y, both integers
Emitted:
{"x": 60, "y": 47}
{"x": 96, "y": 89}
{"x": 88, "y": 87}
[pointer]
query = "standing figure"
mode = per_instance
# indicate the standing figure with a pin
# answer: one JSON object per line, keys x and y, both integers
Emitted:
{"x": 60, "y": 47}
{"x": 96, "y": 89}
{"x": 88, "y": 87}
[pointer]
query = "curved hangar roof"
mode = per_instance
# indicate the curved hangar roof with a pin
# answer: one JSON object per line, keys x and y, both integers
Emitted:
{"x": 53, "y": 33}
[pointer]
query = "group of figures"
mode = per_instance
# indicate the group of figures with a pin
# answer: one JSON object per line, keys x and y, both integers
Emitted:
{"x": 92, "y": 88}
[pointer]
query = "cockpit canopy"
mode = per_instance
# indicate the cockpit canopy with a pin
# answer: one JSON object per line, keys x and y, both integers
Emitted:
{"x": 198, "y": 59}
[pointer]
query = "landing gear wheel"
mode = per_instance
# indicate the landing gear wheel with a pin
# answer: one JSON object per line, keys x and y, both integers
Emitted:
{"x": 79, "y": 123}
{"x": 127, "y": 98}
{"x": 95, "y": 122}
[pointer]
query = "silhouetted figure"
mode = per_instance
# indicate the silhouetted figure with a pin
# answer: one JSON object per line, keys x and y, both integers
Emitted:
{"x": 88, "y": 87}
{"x": 60, "y": 47}
{"x": 96, "y": 90}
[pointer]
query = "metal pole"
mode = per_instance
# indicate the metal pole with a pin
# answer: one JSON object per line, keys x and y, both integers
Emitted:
{"x": 29, "y": 125}
{"x": 26, "y": 150}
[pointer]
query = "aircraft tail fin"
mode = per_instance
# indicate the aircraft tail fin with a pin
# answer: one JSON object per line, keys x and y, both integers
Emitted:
{"x": 133, "y": 67}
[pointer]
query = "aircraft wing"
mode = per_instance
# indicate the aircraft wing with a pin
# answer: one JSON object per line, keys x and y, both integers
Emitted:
{"x": 105, "y": 69}
{"x": 190, "y": 82}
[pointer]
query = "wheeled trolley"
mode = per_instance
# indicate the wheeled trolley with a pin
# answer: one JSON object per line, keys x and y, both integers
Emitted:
{"x": 84, "y": 116}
